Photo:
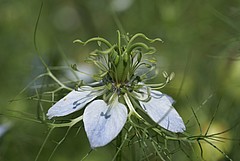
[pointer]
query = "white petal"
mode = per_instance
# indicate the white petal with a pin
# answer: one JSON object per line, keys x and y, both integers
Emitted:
{"x": 103, "y": 122}
{"x": 160, "y": 109}
{"x": 72, "y": 102}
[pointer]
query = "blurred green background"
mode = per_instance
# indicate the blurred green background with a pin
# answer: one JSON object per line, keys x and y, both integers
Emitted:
{"x": 201, "y": 46}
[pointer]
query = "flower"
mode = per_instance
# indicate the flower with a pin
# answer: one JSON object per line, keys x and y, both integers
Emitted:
{"x": 119, "y": 90}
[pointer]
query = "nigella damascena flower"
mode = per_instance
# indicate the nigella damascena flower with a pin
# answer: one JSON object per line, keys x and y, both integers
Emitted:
{"x": 119, "y": 90}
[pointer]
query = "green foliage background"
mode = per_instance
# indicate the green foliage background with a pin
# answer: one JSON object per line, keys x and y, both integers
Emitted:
{"x": 201, "y": 45}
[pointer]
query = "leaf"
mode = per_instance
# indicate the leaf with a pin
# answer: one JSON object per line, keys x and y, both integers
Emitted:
{"x": 103, "y": 122}
{"x": 160, "y": 109}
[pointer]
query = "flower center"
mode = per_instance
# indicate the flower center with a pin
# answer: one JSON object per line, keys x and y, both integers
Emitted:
{"x": 124, "y": 64}
{"x": 122, "y": 87}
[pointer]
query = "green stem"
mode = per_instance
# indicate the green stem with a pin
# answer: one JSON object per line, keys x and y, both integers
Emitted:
{"x": 118, "y": 146}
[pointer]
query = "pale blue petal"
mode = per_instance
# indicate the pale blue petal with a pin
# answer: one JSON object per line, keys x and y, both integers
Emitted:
{"x": 72, "y": 102}
{"x": 103, "y": 122}
{"x": 4, "y": 128}
{"x": 160, "y": 109}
